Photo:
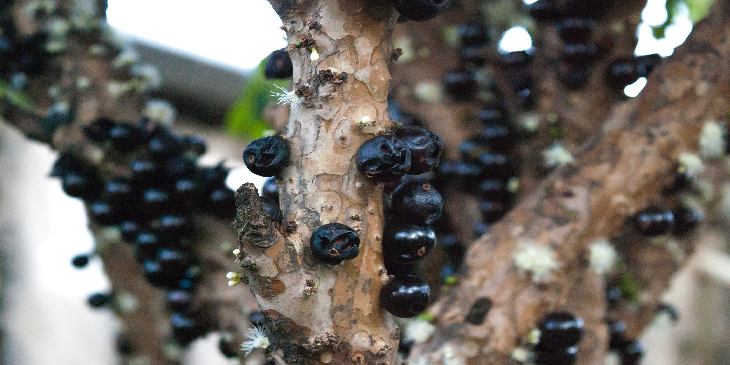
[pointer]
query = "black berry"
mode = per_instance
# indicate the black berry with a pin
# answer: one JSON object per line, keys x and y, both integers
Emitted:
{"x": 686, "y": 219}
{"x": 621, "y": 73}
{"x": 492, "y": 210}
{"x": 408, "y": 243}
{"x": 417, "y": 202}
{"x": 383, "y": 158}
{"x": 103, "y": 213}
{"x": 420, "y": 10}
{"x": 80, "y": 261}
{"x": 497, "y": 164}
{"x": 561, "y": 356}
{"x": 654, "y": 221}
{"x": 334, "y": 242}
{"x": 98, "y": 300}
{"x": 278, "y": 65}
{"x": 472, "y": 34}
{"x": 617, "y": 335}
{"x": 270, "y": 190}
{"x": 222, "y": 202}
{"x": 632, "y": 353}
{"x": 544, "y": 10}
{"x": 559, "y": 330}
{"x": 575, "y": 30}
{"x": 267, "y": 156}
{"x": 271, "y": 209}
{"x": 179, "y": 300}
{"x": 425, "y": 148}
{"x": 405, "y": 296}
{"x": 460, "y": 84}
{"x": 80, "y": 185}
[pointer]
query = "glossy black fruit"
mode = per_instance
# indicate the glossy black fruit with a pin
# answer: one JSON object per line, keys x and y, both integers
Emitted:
{"x": 473, "y": 56}
{"x": 617, "y": 335}
{"x": 559, "y": 330}
{"x": 384, "y": 158}
{"x": 562, "y": 356}
{"x": 179, "y": 300}
{"x": 621, "y": 73}
{"x": 145, "y": 172}
{"x": 147, "y": 242}
{"x": 163, "y": 145}
{"x": 492, "y": 210}
{"x": 544, "y": 10}
{"x": 498, "y": 136}
{"x": 125, "y": 137}
{"x": 156, "y": 274}
{"x": 632, "y": 353}
{"x": 471, "y": 148}
{"x": 270, "y": 190}
{"x": 646, "y": 64}
{"x": 278, "y": 65}
{"x": 516, "y": 59}
{"x": 118, "y": 191}
{"x": 98, "y": 300}
{"x": 129, "y": 230}
{"x": 98, "y": 130}
{"x": 574, "y": 76}
{"x": 579, "y": 52}
{"x": 420, "y": 10}
{"x": 493, "y": 114}
{"x": 80, "y": 261}
{"x": 155, "y": 200}
{"x": 267, "y": 156}
{"x": 334, "y": 242}
{"x": 184, "y": 328}
{"x": 80, "y": 185}
{"x": 408, "y": 243}
{"x": 425, "y": 148}
{"x": 472, "y": 34}
{"x": 271, "y": 209}
{"x": 222, "y": 202}
{"x": 686, "y": 219}
{"x": 227, "y": 348}
{"x": 575, "y": 30}
{"x": 172, "y": 226}
{"x": 173, "y": 259}
{"x": 405, "y": 296}
{"x": 103, "y": 213}
{"x": 480, "y": 228}
{"x": 654, "y": 221}
{"x": 495, "y": 189}
{"x": 497, "y": 164}
{"x": 461, "y": 85}
{"x": 417, "y": 202}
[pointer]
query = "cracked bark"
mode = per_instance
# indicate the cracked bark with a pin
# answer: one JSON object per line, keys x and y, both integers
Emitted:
{"x": 618, "y": 173}
{"x": 317, "y": 312}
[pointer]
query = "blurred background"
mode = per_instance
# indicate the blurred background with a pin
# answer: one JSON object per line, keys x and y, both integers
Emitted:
{"x": 208, "y": 53}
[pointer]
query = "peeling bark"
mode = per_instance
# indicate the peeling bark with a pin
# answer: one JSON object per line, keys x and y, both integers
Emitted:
{"x": 319, "y": 312}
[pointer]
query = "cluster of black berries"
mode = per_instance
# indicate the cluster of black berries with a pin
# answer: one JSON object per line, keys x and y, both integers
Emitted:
{"x": 552, "y": 10}
{"x": 560, "y": 333}
{"x": 18, "y": 54}
{"x": 152, "y": 204}
{"x": 488, "y": 166}
{"x": 578, "y": 51}
{"x": 516, "y": 67}
{"x": 625, "y": 71}
{"x": 461, "y": 84}
{"x": 405, "y": 161}
{"x": 420, "y": 10}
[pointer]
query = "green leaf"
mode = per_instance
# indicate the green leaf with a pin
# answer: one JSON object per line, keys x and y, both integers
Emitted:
{"x": 14, "y": 97}
{"x": 698, "y": 9}
{"x": 246, "y": 117}
{"x": 629, "y": 287}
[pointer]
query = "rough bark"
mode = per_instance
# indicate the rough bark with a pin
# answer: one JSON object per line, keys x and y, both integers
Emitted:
{"x": 322, "y": 313}
{"x": 620, "y": 172}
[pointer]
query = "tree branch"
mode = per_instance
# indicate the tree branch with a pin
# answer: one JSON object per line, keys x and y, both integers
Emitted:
{"x": 619, "y": 172}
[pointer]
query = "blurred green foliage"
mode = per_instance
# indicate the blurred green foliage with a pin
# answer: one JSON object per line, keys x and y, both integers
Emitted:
{"x": 698, "y": 10}
{"x": 14, "y": 97}
{"x": 246, "y": 117}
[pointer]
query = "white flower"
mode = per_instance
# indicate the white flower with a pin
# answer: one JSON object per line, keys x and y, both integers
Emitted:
{"x": 557, "y": 155}
{"x": 521, "y": 354}
{"x": 419, "y": 330}
{"x": 690, "y": 164}
{"x": 286, "y": 97}
{"x": 234, "y": 278}
{"x": 712, "y": 140}
{"x": 602, "y": 256}
{"x": 160, "y": 111}
{"x": 255, "y": 339}
{"x": 148, "y": 76}
{"x": 314, "y": 55}
{"x": 540, "y": 261}
{"x": 125, "y": 58}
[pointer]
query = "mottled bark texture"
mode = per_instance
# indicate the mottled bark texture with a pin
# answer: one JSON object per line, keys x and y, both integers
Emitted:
{"x": 81, "y": 75}
{"x": 319, "y": 312}
{"x": 622, "y": 170}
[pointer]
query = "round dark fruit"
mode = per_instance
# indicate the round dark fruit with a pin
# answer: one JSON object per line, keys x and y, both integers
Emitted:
{"x": 80, "y": 261}
{"x": 575, "y": 30}
{"x": 125, "y": 137}
{"x": 562, "y": 356}
{"x": 472, "y": 34}
{"x": 686, "y": 219}
{"x": 617, "y": 335}
{"x": 654, "y": 221}
{"x": 425, "y": 148}
{"x": 278, "y": 65}
{"x": 408, "y": 243}
{"x": 497, "y": 165}
{"x": 579, "y": 52}
{"x": 559, "y": 330}
{"x": 460, "y": 84}
{"x": 544, "y": 10}
{"x": 270, "y": 190}
{"x": 80, "y": 185}
{"x": 98, "y": 300}
{"x": 492, "y": 210}
{"x": 267, "y": 156}
{"x": 632, "y": 353}
{"x": 417, "y": 202}
{"x": 271, "y": 209}
{"x": 334, "y": 242}
{"x": 621, "y": 73}
{"x": 405, "y": 296}
{"x": 420, "y": 10}
{"x": 222, "y": 203}
{"x": 103, "y": 213}
{"x": 383, "y": 158}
